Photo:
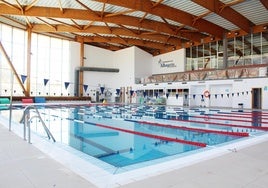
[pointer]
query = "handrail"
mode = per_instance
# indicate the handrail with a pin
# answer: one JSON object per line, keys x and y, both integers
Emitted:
{"x": 26, "y": 119}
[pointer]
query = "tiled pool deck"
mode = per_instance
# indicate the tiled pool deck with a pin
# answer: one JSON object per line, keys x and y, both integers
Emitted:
{"x": 240, "y": 165}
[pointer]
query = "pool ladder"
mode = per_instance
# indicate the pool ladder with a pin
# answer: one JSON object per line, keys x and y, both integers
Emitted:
{"x": 26, "y": 120}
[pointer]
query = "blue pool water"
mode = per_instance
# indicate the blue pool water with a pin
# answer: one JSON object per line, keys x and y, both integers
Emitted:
{"x": 127, "y": 135}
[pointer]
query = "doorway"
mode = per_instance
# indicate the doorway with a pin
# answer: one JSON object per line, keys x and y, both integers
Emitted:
{"x": 256, "y": 98}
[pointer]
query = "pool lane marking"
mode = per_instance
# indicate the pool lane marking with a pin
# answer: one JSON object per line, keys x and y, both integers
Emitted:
{"x": 222, "y": 124}
{"x": 241, "y": 134}
{"x": 243, "y": 113}
{"x": 199, "y": 144}
{"x": 231, "y": 119}
{"x": 238, "y": 116}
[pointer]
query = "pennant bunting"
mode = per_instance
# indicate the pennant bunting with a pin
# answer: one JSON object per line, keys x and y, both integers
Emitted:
{"x": 167, "y": 94}
{"x": 23, "y": 78}
{"x": 117, "y": 91}
{"x": 156, "y": 94}
{"x": 45, "y": 81}
{"x": 85, "y": 87}
{"x": 102, "y": 90}
{"x": 66, "y": 84}
{"x": 144, "y": 94}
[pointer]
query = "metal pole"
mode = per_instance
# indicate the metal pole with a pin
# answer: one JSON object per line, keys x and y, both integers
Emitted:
{"x": 10, "y": 106}
{"x": 29, "y": 131}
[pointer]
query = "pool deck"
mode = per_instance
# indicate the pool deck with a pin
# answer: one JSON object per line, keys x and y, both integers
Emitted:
{"x": 23, "y": 165}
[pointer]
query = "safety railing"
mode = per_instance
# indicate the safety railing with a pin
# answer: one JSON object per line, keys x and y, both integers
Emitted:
{"x": 26, "y": 120}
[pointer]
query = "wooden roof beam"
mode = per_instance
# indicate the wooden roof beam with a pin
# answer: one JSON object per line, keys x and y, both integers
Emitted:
{"x": 88, "y": 15}
{"x": 157, "y": 3}
{"x": 87, "y": 8}
{"x": 88, "y": 25}
{"x": 30, "y": 5}
{"x": 20, "y": 7}
{"x": 104, "y": 30}
{"x": 135, "y": 42}
{"x": 170, "y": 13}
{"x": 13, "y": 20}
{"x": 124, "y": 41}
{"x": 108, "y": 27}
{"x": 76, "y": 24}
{"x": 60, "y": 5}
{"x": 120, "y": 13}
{"x": 9, "y": 4}
{"x": 103, "y": 9}
{"x": 226, "y": 12}
{"x": 143, "y": 17}
{"x": 48, "y": 24}
{"x": 265, "y": 3}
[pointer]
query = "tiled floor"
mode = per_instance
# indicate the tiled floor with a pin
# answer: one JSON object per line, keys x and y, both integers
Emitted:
{"x": 23, "y": 165}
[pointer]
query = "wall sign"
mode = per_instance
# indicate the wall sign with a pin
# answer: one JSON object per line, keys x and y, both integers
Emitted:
{"x": 167, "y": 63}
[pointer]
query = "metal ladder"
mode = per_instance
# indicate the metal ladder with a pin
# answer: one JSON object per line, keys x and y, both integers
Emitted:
{"x": 26, "y": 119}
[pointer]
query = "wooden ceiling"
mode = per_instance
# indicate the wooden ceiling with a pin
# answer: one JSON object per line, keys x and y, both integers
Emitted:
{"x": 157, "y": 26}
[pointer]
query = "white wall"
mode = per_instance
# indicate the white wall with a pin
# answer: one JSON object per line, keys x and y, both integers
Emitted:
{"x": 133, "y": 62}
{"x": 219, "y": 93}
{"x": 124, "y": 60}
{"x": 143, "y": 64}
{"x": 239, "y": 91}
{"x": 176, "y": 58}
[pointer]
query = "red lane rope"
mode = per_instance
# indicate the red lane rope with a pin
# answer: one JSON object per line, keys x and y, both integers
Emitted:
{"x": 230, "y": 119}
{"x": 199, "y": 144}
{"x": 242, "y": 115}
{"x": 223, "y": 124}
{"x": 242, "y": 134}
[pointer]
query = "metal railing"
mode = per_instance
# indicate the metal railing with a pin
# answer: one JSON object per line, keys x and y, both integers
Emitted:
{"x": 26, "y": 120}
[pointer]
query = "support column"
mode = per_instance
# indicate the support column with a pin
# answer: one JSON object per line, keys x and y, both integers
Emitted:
{"x": 29, "y": 49}
{"x": 81, "y": 73}
{"x": 225, "y": 52}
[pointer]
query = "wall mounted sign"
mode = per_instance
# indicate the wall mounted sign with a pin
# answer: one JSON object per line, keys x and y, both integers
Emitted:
{"x": 167, "y": 63}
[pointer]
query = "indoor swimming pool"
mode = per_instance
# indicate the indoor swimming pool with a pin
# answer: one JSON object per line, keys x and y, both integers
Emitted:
{"x": 126, "y": 137}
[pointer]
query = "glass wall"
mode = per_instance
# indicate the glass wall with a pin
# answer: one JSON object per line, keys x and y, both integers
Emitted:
{"x": 241, "y": 50}
{"x": 50, "y": 64}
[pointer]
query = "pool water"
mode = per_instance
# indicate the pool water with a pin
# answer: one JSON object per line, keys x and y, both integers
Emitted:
{"x": 120, "y": 138}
